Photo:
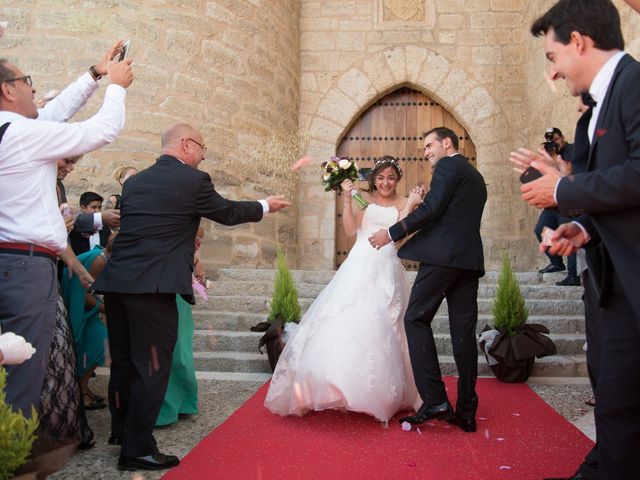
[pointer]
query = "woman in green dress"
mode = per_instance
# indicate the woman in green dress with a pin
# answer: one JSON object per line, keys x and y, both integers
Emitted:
{"x": 87, "y": 327}
{"x": 182, "y": 392}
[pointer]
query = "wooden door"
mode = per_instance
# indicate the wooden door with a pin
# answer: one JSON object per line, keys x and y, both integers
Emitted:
{"x": 394, "y": 126}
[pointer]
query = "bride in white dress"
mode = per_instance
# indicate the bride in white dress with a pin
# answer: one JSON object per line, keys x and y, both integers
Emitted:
{"x": 350, "y": 350}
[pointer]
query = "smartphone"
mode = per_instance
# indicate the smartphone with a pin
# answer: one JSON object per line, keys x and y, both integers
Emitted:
{"x": 529, "y": 175}
{"x": 125, "y": 51}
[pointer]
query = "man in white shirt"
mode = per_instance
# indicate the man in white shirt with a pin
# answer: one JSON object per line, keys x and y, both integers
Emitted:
{"x": 32, "y": 230}
{"x": 583, "y": 41}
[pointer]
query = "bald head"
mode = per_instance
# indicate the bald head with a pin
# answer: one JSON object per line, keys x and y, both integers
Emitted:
{"x": 184, "y": 142}
{"x": 174, "y": 133}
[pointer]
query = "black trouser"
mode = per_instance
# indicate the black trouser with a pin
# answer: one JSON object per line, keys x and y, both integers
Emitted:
{"x": 593, "y": 326}
{"x": 553, "y": 219}
{"x": 617, "y": 409}
{"x": 142, "y": 334}
{"x": 460, "y": 288}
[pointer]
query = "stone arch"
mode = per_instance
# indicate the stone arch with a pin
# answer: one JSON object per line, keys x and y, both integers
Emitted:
{"x": 360, "y": 86}
{"x": 419, "y": 68}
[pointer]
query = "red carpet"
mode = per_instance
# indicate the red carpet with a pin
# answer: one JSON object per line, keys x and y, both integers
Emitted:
{"x": 519, "y": 437}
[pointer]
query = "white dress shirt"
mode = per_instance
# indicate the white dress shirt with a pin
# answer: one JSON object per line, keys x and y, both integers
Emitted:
{"x": 29, "y": 152}
{"x": 598, "y": 91}
{"x": 599, "y": 87}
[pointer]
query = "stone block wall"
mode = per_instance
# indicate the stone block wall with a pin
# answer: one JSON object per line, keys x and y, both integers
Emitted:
{"x": 230, "y": 68}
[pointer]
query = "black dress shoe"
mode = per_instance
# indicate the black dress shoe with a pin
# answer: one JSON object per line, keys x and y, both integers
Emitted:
{"x": 157, "y": 461}
{"x": 115, "y": 440}
{"x": 465, "y": 424}
{"x": 569, "y": 282}
{"x": 551, "y": 268}
{"x": 442, "y": 411}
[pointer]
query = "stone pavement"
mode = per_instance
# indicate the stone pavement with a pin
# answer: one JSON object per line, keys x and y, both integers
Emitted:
{"x": 220, "y": 398}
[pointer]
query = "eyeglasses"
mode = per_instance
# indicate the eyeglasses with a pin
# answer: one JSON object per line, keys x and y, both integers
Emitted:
{"x": 202, "y": 146}
{"x": 26, "y": 79}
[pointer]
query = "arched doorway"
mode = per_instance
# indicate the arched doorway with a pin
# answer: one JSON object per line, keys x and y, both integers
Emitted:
{"x": 394, "y": 126}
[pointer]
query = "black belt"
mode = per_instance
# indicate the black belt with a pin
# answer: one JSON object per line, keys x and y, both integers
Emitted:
{"x": 29, "y": 250}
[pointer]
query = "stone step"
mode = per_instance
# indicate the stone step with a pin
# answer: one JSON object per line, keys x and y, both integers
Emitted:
{"x": 259, "y": 304}
{"x": 205, "y": 319}
{"x": 324, "y": 276}
{"x": 553, "y": 366}
{"x": 312, "y": 290}
{"x": 247, "y": 342}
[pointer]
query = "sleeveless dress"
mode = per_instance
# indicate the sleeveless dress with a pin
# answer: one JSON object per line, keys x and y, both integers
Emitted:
{"x": 350, "y": 351}
{"x": 182, "y": 390}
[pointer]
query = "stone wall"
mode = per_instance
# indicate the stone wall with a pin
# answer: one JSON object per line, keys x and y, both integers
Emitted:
{"x": 231, "y": 68}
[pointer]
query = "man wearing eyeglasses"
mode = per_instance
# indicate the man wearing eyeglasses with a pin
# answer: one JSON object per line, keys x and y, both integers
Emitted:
{"x": 151, "y": 263}
{"x": 32, "y": 230}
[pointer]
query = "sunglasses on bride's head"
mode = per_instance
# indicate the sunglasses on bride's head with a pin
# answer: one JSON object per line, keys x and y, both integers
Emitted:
{"x": 388, "y": 160}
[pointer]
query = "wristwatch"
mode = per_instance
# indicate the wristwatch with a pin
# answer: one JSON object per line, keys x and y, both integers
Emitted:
{"x": 94, "y": 73}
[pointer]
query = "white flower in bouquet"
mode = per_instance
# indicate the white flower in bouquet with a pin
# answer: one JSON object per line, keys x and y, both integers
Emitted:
{"x": 337, "y": 170}
{"x": 344, "y": 164}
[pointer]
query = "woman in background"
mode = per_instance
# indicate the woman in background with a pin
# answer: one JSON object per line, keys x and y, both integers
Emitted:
{"x": 89, "y": 330}
{"x": 182, "y": 392}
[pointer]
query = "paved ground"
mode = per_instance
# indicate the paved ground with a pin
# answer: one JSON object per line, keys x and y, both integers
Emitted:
{"x": 219, "y": 398}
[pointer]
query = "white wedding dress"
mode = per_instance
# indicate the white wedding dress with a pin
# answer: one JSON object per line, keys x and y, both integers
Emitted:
{"x": 350, "y": 350}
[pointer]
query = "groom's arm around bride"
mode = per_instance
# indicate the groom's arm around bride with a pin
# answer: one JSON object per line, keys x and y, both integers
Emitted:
{"x": 449, "y": 248}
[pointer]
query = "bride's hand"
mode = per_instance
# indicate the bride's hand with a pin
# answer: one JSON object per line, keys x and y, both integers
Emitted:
{"x": 416, "y": 195}
{"x": 347, "y": 186}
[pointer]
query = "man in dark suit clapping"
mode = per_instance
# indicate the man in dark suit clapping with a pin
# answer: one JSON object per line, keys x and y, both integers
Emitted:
{"x": 449, "y": 248}
{"x": 583, "y": 41}
{"x": 152, "y": 261}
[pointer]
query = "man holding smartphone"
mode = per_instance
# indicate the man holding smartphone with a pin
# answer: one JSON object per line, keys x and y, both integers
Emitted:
{"x": 32, "y": 230}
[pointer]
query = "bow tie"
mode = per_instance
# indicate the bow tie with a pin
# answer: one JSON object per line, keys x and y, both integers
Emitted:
{"x": 588, "y": 100}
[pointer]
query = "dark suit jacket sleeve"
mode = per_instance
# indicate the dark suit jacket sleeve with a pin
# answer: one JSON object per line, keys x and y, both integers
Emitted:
{"x": 84, "y": 223}
{"x": 587, "y": 223}
{"x": 211, "y": 205}
{"x": 443, "y": 186}
{"x": 613, "y": 188}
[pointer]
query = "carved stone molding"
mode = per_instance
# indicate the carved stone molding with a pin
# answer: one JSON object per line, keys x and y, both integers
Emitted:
{"x": 404, "y": 14}
{"x": 403, "y": 10}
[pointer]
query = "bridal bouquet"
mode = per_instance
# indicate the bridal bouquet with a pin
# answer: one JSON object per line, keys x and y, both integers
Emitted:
{"x": 336, "y": 171}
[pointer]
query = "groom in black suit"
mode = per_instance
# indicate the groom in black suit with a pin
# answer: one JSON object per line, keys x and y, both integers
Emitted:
{"x": 449, "y": 248}
{"x": 583, "y": 40}
{"x": 152, "y": 261}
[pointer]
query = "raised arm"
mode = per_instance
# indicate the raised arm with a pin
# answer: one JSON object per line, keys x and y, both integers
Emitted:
{"x": 73, "y": 98}
{"x": 416, "y": 196}
{"x": 351, "y": 216}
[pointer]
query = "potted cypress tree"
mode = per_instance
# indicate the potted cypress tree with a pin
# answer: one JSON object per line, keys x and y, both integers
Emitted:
{"x": 512, "y": 345}
{"x": 284, "y": 312}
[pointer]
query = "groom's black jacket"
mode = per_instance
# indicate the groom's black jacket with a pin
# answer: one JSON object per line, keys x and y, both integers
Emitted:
{"x": 448, "y": 219}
